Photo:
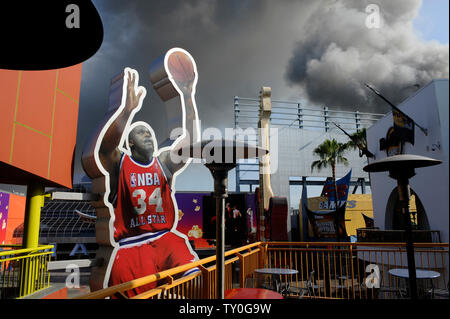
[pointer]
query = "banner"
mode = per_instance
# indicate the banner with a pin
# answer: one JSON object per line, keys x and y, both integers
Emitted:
{"x": 357, "y": 205}
{"x": 190, "y": 217}
{"x": 322, "y": 222}
{"x": 4, "y": 202}
{"x": 403, "y": 126}
{"x": 343, "y": 186}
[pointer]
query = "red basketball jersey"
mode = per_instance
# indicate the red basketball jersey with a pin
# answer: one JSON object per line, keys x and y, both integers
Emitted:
{"x": 144, "y": 203}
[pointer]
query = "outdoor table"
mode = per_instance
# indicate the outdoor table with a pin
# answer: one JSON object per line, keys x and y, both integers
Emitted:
{"x": 423, "y": 274}
{"x": 251, "y": 293}
{"x": 277, "y": 273}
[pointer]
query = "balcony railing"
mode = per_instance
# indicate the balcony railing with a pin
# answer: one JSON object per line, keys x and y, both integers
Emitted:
{"x": 23, "y": 271}
{"x": 200, "y": 285}
{"x": 394, "y": 236}
{"x": 355, "y": 270}
{"x": 324, "y": 270}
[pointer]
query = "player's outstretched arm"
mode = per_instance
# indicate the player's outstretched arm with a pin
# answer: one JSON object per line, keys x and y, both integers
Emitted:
{"x": 170, "y": 158}
{"x": 109, "y": 153}
{"x": 174, "y": 77}
{"x": 191, "y": 130}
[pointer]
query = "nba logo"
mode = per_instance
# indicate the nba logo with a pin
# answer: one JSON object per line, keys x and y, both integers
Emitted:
{"x": 133, "y": 179}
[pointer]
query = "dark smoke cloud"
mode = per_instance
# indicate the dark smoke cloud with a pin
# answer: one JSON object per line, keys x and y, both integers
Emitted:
{"x": 239, "y": 46}
{"x": 319, "y": 51}
{"x": 339, "y": 53}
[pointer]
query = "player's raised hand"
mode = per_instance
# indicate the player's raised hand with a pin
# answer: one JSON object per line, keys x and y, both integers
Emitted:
{"x": 181, "y": 68}
{"x": 134, "y": 93}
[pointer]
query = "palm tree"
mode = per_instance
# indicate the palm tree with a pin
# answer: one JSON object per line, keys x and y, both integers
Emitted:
{"x": 331, "y": 153}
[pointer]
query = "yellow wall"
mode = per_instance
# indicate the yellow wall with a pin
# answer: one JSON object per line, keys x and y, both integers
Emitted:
{"x": 356, "y": 204}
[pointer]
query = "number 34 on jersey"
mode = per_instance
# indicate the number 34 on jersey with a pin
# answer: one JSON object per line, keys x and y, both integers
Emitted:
{"x": 143, "y": 205}
{"x": 142, "y": 201}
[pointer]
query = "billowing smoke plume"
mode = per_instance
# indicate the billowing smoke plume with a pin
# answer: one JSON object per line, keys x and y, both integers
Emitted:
{"x": 345, "y": 47}
{"x": 315, "y": 49}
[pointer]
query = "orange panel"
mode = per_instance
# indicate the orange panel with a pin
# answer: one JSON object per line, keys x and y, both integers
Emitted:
{"x": 31, "y": 151}
{"x": 37, "y": 92}
{"x": 8, "y": 90}
{"x": 64, "y": 140}
{"x": 45, "y": 120}
{"x": 69, "y": 81}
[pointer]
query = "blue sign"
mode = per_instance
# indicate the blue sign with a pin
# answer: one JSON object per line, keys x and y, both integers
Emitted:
{"x": 343, "y": 186}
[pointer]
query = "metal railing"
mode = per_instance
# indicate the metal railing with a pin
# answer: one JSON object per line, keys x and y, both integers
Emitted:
{"x": 324, "y": 270}
{"x": 356, "y": 270}
{"x": 290, "y": 114}
{"x": 383, "y": 236}
{"x": 23, "y": 271}
{"x": 200, "y": 285}
{"x": 293, "y": 114}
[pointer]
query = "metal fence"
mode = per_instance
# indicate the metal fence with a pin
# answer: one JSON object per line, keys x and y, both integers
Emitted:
{"x": 23, "y": 271}
{"x": 290, "y": 114}
{"x": 322, "y": 270}
{"x": 200, "y": 285}
{"x": 293, "y": 114}
{"x": 357, "y": 270}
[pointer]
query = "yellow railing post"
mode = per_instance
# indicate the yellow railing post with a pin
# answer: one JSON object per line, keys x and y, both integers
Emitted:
{"x": 242, "y": 270}
{"x": 205, "y": 282}
{"x": 34, "y": 203}
{"x": 352, "y": 271}
{"x": 262, "y": 259}
{"x": 19, "y": 264}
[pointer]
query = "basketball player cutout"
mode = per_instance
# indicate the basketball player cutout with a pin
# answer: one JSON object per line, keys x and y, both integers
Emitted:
{"x": 139, "y": 178}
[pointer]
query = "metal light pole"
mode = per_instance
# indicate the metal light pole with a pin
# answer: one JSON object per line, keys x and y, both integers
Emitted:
{"x": 401, "y": 168}
{"x": 220, "y": 175}
{"x": 220, "y": 156}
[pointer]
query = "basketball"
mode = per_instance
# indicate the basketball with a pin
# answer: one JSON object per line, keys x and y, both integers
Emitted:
{"x": 180, "y": 67}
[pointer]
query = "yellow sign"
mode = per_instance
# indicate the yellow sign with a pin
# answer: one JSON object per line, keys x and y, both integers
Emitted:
{"x": 357, "y": 204}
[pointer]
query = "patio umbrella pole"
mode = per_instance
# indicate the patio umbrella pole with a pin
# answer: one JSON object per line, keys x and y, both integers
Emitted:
{"x": 219, "y": 164}
{"x": 404, "y": 195}
{"x": 220, "y": 175}
{"x": 401, "y": 168}
{"x": 220, "y": 247}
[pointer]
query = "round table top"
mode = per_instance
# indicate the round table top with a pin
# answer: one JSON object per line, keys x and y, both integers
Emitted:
{"x": 251, "y": 293}
{"x": 276, "y": 271}
{"x": 420, "y": 273}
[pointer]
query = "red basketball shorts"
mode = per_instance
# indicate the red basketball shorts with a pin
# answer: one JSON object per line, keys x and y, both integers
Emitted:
{"x": 137, "y": 260}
